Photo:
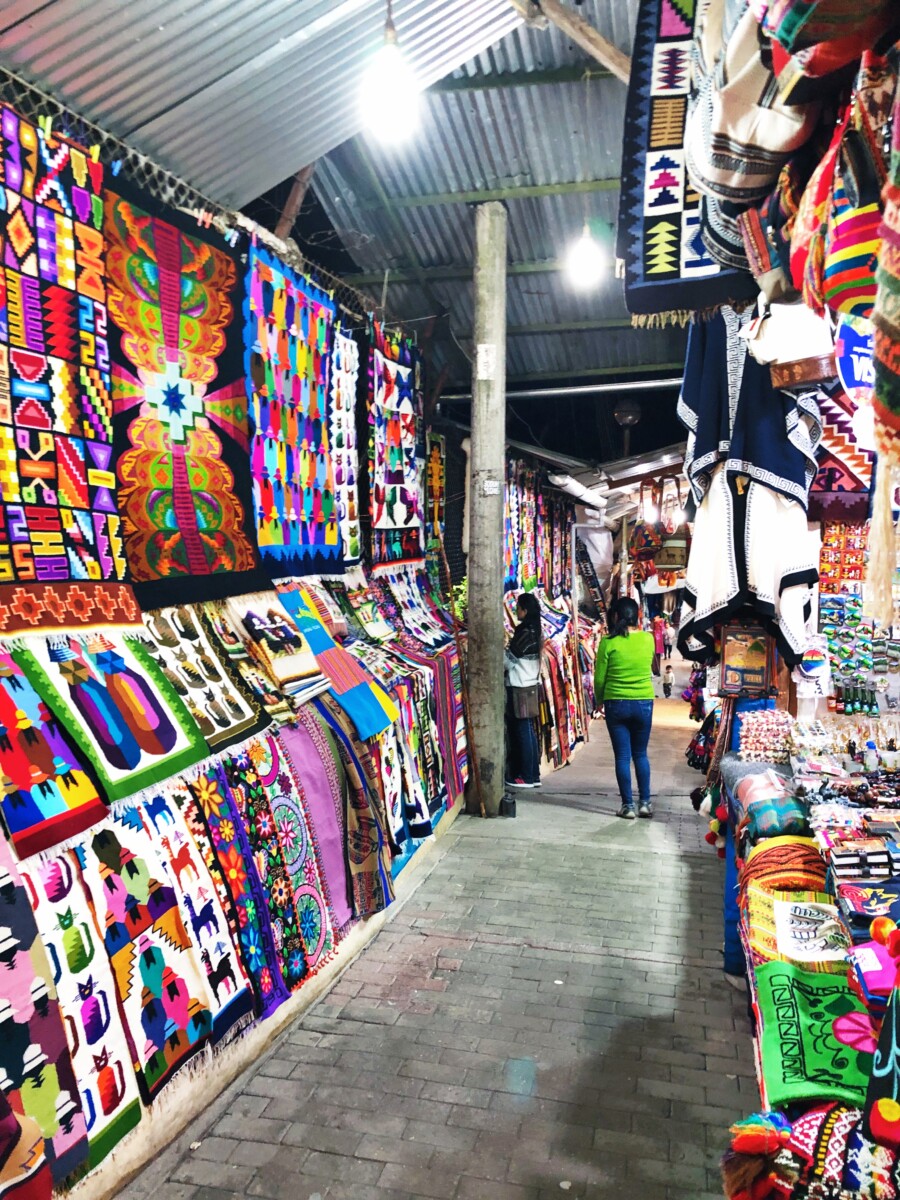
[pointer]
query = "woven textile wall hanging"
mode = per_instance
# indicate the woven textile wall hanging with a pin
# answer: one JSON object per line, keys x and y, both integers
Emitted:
{"x": 667, "y": 266}
{"x": 394, "y": 413}
{"x": 35, "y": 1068}
{"x": 180, "y": 409}
{"x": 288, "y": 343}
{"x": 61, "y": 556}
{"x": 344, "y": 452}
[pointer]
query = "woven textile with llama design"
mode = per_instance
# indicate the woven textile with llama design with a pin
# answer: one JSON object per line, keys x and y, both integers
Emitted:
{"x": 36, "y": 1074}
{"x": 162, "y": 988}
{"x": 180, "y": 408}
{"x": 87, "y": 998}
{"x": 62, "y": 562}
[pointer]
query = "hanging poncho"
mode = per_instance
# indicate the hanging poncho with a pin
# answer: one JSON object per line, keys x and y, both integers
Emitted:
{"x": 749, "y": 462}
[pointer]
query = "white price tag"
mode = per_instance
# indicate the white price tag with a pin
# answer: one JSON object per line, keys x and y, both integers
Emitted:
{"x": 490, "y": 487}
{"x": 486, "y": 360}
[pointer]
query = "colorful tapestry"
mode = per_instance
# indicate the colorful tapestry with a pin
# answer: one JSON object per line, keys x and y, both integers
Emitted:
{"x": 230, "y": 642}
{"x": 886, "y": 315}
{"x": 181, "y": 643}
{"x": 313, "y": 756}
{"x": 816, "y": 1037}
{"x": 217, "y": 828}
{"x": 35, "y": 1068}
{"x": 344, "y": 454}
{"x": 47, "y": 796}
{"x": 61, "y": 556}
{"x": 287, "y": 359}
{"x": 161, "y": 986}
{"x": 395, "y": 498}
{"x": 435, "y": 484}
{"x": 840, "y": 490}
{"x": 229, "y": 993}
{"x": 667, "y": 265}
{"x": 24, "y": 1171}
{"x": 357, "y": 598}
{"x": 369, "y": 707}
{"x": 367, "y": 829}
{"x": 117, "y": 706}
{"x": 272, "y": 638}
{"x": 254, "y": 805}
{"x": 84, "y": 982}
{"x": 180, "y": 408}
{"x": 287, "y": 795}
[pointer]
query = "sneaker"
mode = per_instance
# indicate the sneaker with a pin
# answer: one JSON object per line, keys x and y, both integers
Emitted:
{"x": 518, "y": 783}
{"x": 645, "y": 810}
{"x": 627, "y": 812}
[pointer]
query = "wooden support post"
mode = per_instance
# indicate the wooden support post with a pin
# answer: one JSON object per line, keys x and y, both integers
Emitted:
{"x": 292, "y": 205}
{"x": 588, "y": 38}
{"x": 485, "y": 649}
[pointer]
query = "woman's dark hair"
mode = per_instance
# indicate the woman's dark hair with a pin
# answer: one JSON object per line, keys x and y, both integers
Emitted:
{"x": 625, "y": 615}
{"x": 529, "y": 602}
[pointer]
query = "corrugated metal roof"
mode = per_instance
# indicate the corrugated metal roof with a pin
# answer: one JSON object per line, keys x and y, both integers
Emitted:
{"x": 232, "y": 95}
{"x": 503, "y": 137}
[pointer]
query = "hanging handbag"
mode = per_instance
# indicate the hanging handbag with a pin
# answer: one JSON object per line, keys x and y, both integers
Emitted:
{"x": 676, "y": 546}
{"x": 647, "y": 536}
{"x": 800, "y": 23}
{"x": 775, "y": 336}
{"x": 808, "y": 236}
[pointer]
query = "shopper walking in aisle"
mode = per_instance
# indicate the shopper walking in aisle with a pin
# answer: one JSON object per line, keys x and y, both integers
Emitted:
{"x": 668, "y": 640}
{"x": 523, "y": 671}
{"x": 622, "y": 683}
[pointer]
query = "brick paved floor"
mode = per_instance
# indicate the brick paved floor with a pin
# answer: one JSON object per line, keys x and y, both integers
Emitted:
{"x": 545, "y": 1017}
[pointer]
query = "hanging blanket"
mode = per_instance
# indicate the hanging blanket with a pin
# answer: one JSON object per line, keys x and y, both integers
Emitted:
{"x": 272, "y": 638}
{"x": 48, "y": 796}
{"x": 61, "y": 555}
{"x": 116, "y": 705}
{"x": 311, "y": 755}
{"x": 435, "y": 483}
{"x": 35, "y": 1067}
{"x": 344, "y": 453}
{"x": 287, "y": 795}
{"x": 220, "y": 834}
{"x": 183, "y": 646}
{"x": 180, "y": 408}
{"x": 667, "y": 265}
{"x": 287, "y": 357}
{"x": 368, "y": 833}
{"x": 394, "y": 417}
{"x": 840, "y": 490}
{"x": 161, "y": 986}
{"x": 229, "y": 641}
{"x": 886, "y": 315}
{"x": 254, "y": 806}
{"x": 361, "y": 698}
{"x": 816, "y": 1038}
{"x": 98, "y": 1042}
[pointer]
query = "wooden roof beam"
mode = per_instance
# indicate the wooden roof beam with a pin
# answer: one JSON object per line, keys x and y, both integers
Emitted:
{"x": 583, "y": 34}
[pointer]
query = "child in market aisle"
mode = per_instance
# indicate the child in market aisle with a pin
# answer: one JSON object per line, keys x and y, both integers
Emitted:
{"x": 668, "y": 639}
{"x": 668, "y": 680}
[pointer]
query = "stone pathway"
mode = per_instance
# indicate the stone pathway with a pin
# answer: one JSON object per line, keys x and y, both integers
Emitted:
{"x": 546, "y": 1017}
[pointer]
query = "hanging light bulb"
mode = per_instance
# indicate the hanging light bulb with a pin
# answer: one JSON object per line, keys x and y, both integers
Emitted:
{"x": 586, "y": 263}
{"x": 389, "y": 92}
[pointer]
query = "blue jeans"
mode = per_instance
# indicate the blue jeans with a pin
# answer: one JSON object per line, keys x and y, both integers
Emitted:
{"x": 527, "y": 749}
{"x": 629, "y": 723}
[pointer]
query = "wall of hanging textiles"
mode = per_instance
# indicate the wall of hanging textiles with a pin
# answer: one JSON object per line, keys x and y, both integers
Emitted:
{"x": 538, "y": 557}
{"x": 208, "y": 781}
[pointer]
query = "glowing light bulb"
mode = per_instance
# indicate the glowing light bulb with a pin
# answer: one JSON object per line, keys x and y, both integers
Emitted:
{"x": 389, "y": 93}
{"x": 586, "y": 263}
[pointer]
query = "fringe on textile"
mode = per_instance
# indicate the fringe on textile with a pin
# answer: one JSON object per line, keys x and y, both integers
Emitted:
{"x": 882, "y": 564}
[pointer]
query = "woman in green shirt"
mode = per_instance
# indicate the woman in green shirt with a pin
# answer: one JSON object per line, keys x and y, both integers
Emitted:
{"x": 623, "y": 685}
